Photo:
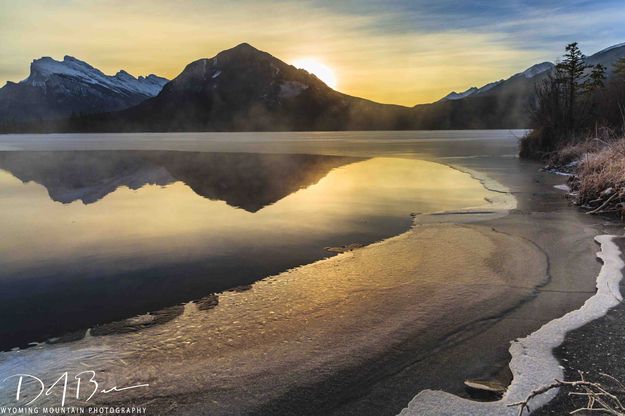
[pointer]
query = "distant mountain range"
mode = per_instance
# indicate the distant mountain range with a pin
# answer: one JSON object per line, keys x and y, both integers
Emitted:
{"x": 529, "y": 74}
{"x": 245, "y": 89}
{"x": 57, "y": 89}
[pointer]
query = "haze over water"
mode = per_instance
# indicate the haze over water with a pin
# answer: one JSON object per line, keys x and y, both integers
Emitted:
{"x": 97, "y": 236}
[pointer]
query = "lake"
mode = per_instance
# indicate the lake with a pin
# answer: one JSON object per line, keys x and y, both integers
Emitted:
{"x": 97, "y": 236}
{"x": 279, "y": 273}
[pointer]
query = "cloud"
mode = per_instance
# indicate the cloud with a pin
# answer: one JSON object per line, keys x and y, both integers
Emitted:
{"x": 402, "y": 51}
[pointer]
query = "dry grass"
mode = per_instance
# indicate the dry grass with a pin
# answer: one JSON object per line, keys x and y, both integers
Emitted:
{"x": 544, "y": 145}
{"x": 578, "y": 146}
{"x": 575, "y": 152}
{"x": 600, "y": 178}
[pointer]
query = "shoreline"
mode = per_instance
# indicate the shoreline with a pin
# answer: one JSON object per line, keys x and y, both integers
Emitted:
{"x": 396, "y": 287}
{"x": 533, "y": 364}
{"x": 595, "y": 349}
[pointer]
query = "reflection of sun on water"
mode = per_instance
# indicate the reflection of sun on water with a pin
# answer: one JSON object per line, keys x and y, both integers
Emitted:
{"x": 321, "y": 71}
{"x": 174, "y": 221}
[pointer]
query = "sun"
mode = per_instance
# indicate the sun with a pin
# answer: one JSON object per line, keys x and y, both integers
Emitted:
{"x": 321, "y": 71}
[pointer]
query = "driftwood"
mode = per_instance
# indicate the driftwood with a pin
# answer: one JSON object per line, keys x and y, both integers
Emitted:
{"x": 602, "y": 206}
{"x": 599, "y": 399}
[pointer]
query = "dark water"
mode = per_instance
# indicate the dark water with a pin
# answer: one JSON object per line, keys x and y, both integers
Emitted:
{"x": 90, "y": 237}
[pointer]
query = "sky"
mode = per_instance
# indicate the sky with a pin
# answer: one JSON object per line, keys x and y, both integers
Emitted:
{"x": 392, "y": 51}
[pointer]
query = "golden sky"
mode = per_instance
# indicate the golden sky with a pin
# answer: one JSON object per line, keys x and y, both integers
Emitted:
{"x": 404, "y": 52}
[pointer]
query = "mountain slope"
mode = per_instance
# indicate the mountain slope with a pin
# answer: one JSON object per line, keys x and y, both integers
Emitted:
{"x": 246, "y": 89}
{"x": 460, "y": 95}
{"x": 501, "y": 104}
{"x": 607, "y": 57}
{"x": 522, "y": 79}
{"x": 56, "y": 89}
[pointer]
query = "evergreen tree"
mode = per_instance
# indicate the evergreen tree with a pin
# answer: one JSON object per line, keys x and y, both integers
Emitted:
{"x": 619, "y": 69}
{"x": 596, "y": 78}
{"x": 572, "y": 69}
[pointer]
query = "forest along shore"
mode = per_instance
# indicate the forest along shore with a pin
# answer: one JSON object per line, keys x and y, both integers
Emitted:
{"x": 579, "y": 129}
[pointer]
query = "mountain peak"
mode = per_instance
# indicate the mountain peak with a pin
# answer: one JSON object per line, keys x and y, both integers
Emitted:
{"x": 244, "y": 46}
{"x": 609, "y": 48}
{"x": 124, "y": 76}
{"x": 459, "y": 95}
{"x": 42, "y": 69}
{"x": 243, "y": 50}
{"x": 154, "y": 79}
{"x": 71, "y": 59}
{"x": 58, "y": 88}
{"x": 239, "y": 61}
{"x": 46, "y": 66}
{"x": 537, "y": 69}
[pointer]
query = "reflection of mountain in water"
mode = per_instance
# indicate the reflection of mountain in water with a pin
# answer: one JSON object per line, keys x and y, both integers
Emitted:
{"x": 245, "y": 180}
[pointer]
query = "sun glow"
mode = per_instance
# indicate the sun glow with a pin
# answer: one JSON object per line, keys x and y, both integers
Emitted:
{"x": 321, "y": 71}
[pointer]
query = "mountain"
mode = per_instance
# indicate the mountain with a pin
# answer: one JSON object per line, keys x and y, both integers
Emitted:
{"x": 501, "y": 104}
{"x": 246, "y": 89}
{"x": 242, "y": 180}
{"x": 56, "y": 89}
{"x": 459, "y": 95}
{"x": 607, "y": 57}
{"x": 471, "y": 91}
{"x": 497, "y": 87}
{"x": 537, "y": 69}
{"x": 523, "y": 83}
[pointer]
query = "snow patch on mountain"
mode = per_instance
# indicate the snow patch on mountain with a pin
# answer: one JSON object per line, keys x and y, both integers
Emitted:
{"x": 290, "y": 89}
{"x": 488, "y": 87}
{"x": 529, "y": 73}
{"x": 459, "y": 95}
{"x": 537, "y": 69}
{"x": 471, "y": 91}
{"x": 619, "y": 45}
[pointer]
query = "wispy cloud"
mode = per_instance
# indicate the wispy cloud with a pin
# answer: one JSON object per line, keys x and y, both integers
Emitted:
{"x": 404, "y": 51}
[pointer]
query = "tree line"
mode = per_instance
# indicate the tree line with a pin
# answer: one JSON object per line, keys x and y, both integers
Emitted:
{"x": 573, "y": 102}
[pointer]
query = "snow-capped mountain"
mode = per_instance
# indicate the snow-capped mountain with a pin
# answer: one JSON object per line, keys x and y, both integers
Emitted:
{"x": 537, "y": 69}
{"x": 504, "y": 103}
{"x": 56, "y": 89}
{"x": 41, "y": 70}
{"x": 530, "y": 73}
{"x": 471, "y": 91}
{"x": 609, "y": 48}
{"x": 607, "y": 57}
{"x": 460, "y": 95}
{"x": 488, "y": 86}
